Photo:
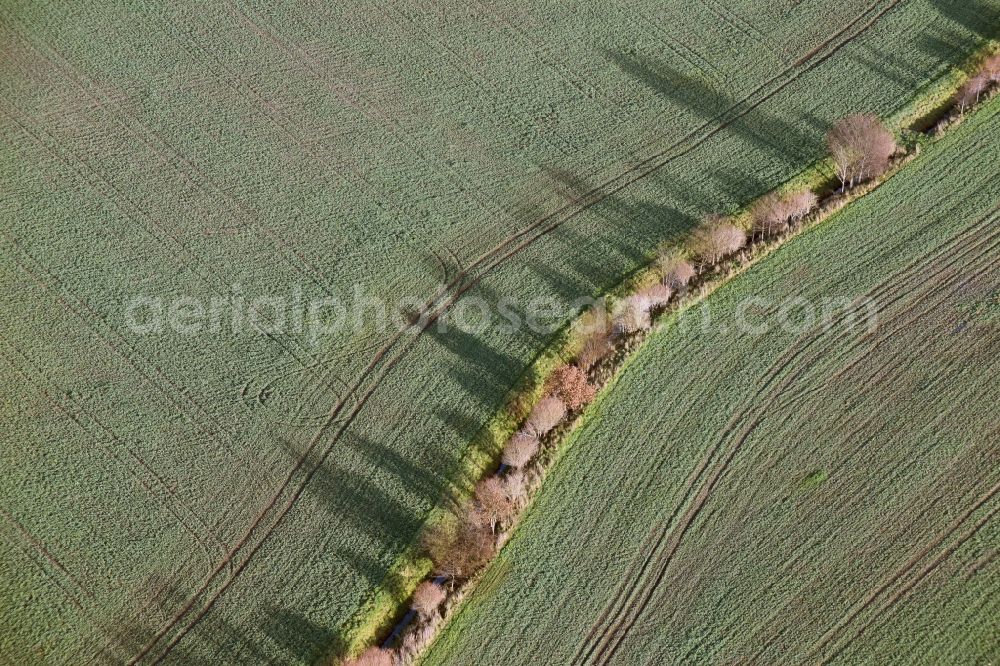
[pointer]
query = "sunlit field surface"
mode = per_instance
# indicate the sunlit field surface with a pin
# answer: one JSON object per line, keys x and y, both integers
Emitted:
{"x": 226, "y": 494}
{"x": 806, "y": 490}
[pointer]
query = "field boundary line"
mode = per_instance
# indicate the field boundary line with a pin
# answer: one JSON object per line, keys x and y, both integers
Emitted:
{"x": 434, "y": 310}
{"x": 777, "y": 370}
{"x": 755, "y": 404}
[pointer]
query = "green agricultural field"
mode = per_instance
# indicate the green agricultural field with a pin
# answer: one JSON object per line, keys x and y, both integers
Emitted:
{"x": 810, "y": 493}
{"x": 236, "y": 494}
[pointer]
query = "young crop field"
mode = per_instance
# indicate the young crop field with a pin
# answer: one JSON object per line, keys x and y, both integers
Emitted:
{"x": 198, "y": 465}
{"x": 760, "y": 488}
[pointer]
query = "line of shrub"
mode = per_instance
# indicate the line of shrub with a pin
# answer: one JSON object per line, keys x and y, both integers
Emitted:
{"x": 863, "y": 152}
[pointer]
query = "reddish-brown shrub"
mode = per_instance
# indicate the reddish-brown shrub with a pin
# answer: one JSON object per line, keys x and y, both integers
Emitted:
{"x": 658, "y": 295}
{"x": 545, "y": 416}
{"x": 427, "y": 598}
{"x": 460, "y": 546}
{"x": 373, "y": 656}
{"x": 715, "y": 239}
{"x": 493, "y": 501}
{"x": 569, "y": 384}
{"x": 595, "y": 328}
{"x": 675, "y": 270}
{"x": 861, "y": 148}
{"x": 521, "y": 448}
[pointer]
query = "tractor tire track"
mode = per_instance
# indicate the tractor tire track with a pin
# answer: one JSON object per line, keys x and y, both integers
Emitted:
{"x": 907, "y": 568}
{"x": 467, "y": 279}
{"x": 39, "y": 547}
{"x": 599, "y": 637}
{"x": 174, "y": 159}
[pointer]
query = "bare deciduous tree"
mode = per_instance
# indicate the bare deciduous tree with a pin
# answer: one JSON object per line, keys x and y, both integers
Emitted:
{"x": 373, "y": 656}
{"x": 773, "y": 213}
{"x": 494, "y": 501}
{"x": 675, "y": 270}
{"x": 715, "y": 239}
{"x": 569, "y": 383}
{"x": 427, "y": 598}
{"x": 658, "y": 295}
{"x": 799, "y": 204}
{"x": 769, "y": 216}
{"x": 546, "y": 415}
{"x": 633, "y": 315}
{"x": 460, "y": 546}
{"x": 991, "y": 68}
{"x": 970, "y": 93}
{"x": 861, "y": 148}
{"x": 521, "y": 448}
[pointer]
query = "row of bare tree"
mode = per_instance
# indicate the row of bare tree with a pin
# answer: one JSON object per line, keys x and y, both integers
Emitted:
{"x": 978, "y": 84}
{"x": 464, "y": 543}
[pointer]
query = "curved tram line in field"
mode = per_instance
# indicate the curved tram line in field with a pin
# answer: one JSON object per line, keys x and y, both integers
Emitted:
{"x": 385, "y": 359}
{"x": 347, "y": 407}
{"x": 635, "y": 594}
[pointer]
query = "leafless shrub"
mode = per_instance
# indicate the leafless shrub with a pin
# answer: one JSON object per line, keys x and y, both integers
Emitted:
{"x": 373, "y": 656}
{"x": 414, "y": 641}
{"x": 991, "y": 68}
{"x": 633, "y": 315}
{"x": 675, "y": 270}
{"x": 427, "y": 598}
{"x": 460, "y": 546}
{"x": 970, "y": 93}
{"x": 494, "y": 502}
{"x": 569, "y": 384}
{"x": 516, "y": 486}
{"x": 658, "y": 295}
{"x": 716, "y": 238}
{"x": 799, "y": 204}
{"x": 545, "y": 416}
{"x": 861, "y": 148}
{"x": 595, "y": 349}
{"x": 521, "y": 448}
{"x": 773, "y": 213}
{"x": 595, "y": 328}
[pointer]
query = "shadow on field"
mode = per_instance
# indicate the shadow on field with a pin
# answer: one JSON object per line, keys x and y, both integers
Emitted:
{"x": 216, "y": 639}
{"x": 481, "y": 368}
{"x": 978, "y": 16}
{"x": 770, "y": 133}
{"x": 366, "y": 489}
{"x": 300, "y": 637}
{"x": 888, "y": 65}
{"x": 363, "y": 488}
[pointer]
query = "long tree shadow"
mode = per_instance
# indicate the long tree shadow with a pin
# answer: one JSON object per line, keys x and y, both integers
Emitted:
{"x": 216, "y": 638}
{"x": 977, "y": 16}
{"x": 304, "y": 640}
{"x": 783, "y": 139}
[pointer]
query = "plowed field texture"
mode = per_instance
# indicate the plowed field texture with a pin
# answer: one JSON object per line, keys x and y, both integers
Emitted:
{"x": 223, "y": 493}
